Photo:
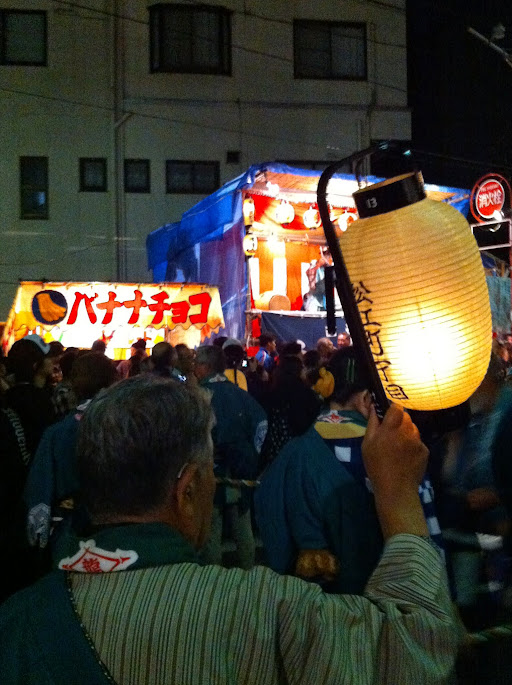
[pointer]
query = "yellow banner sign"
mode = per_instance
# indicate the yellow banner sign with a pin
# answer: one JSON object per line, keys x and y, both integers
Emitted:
{"x": 76, "y": 314}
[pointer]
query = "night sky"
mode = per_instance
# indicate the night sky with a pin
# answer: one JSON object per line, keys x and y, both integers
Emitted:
{"x": 460, "y": 90}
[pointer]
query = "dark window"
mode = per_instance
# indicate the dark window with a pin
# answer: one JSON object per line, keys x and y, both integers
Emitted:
{"x": 329, "y": 50}
{"x": 23, "y": 37}
{"x": 136, "y": 176}
{"x": 93, "y": 174}
{"x": 34, "y": 187}
{"x": 190, "y": 39}
{"x": 233, "y": 157}
{"x": 192, "y": 177}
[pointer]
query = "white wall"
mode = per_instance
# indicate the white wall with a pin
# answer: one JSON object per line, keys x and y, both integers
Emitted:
{"x": 65, "y": 111}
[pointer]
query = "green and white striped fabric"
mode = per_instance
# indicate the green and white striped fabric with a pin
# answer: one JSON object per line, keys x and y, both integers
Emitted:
{"x": 190, "y": 624}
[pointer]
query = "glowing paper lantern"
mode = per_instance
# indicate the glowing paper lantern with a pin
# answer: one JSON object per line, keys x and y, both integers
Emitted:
{"x": 421, "y": 291}
{"x": 276, "y": 247}
{"x": 284, "y": 213}
{"x": 248, "y": 211}
{"x": 345, "y": 220}
{"x": 312, "y": 218}
{"x": 250, "y": 244}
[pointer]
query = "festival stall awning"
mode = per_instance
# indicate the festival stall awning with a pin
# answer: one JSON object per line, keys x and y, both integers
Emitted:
{"x": 77, "y": 314}
{"x": 207, "y": 244}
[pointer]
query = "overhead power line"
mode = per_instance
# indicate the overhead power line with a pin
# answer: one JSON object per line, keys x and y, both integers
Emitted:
{"x": 246, "y": 13}
{"x": 158, "y": 117}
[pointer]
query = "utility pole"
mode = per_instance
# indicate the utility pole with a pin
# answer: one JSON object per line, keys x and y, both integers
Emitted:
{"x": 506, "y": 56}
{"x": 119, "y": 118}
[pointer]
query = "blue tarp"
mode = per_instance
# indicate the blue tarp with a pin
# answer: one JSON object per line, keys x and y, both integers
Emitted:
{"x": 206, "y": 245}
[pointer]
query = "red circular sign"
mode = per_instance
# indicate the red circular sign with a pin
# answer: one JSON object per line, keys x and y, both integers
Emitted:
{"x": 490, "y": 198}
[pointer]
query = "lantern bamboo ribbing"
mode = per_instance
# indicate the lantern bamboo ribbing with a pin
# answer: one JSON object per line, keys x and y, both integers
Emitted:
{"x": 422, "y": 295}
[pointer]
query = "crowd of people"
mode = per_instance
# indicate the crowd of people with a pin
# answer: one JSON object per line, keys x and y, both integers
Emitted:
{"x": 237, "y": 513}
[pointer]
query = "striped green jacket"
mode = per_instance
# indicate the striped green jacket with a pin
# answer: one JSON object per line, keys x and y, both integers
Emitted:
{"x": 185, "y": 623}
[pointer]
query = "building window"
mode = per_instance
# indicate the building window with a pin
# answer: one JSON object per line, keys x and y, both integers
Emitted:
{"x": 190, "y": 39}
{"x": 192, "y": 177}
{"x": 34, "y": 187}
{"x": 93, "y": 175}
{"x": 329, "y": 50}
{"x": 233, "y": 156}
{"x": 137, "y": 176}
{"x": 23, "y": 37}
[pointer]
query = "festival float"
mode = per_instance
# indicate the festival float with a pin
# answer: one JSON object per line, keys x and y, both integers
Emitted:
{"x": 260, "y": 238}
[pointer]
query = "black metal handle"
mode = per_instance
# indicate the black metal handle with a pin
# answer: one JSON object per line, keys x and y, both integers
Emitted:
{"x": 344, "y": 286}
{"x": 329, "y": 300}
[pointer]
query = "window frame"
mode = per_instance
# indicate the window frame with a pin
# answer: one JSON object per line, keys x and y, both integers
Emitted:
{"x": 193, "y": 162}
{"x": 83, "y": 186}
{"x": 146, "y": 163}
{"x": 225, "y": 61}
{"x": 3, "y": 58}
{"x": 27, "y": 215}
{"x": 297, "y": 23}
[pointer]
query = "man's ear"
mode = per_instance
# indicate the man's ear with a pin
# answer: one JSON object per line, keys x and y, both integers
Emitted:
{"x": 364, "y": 403}
{"x": 185, "y": 490}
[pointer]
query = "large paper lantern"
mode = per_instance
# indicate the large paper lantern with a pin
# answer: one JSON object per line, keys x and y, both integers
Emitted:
{"x": 421, "y": 291}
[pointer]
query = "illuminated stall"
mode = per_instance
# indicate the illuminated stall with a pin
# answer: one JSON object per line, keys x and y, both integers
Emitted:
{"x": 77, "y": 314}
{"x": 260, "y": 239}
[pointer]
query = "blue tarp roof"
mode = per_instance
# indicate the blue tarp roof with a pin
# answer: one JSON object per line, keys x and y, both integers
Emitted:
{"x": 180, "y": 252}
{"x": 206, "y": 220}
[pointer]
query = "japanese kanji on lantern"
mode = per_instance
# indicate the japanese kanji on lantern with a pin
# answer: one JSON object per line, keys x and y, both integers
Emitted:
{"x": 76, "y": 314}
{"x": 420, "y": 288}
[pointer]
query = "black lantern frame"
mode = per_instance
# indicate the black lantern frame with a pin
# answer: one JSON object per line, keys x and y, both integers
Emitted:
{"x": 342, "y": 279}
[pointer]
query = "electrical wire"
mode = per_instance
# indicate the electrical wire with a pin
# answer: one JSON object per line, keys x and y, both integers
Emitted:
{"x": 159, "y": 117}
{"x": 443, "y": 9}
{"x": 180, "y": 122}
{"x": 17, "y": 265}
{"x": 462, "y": 160}
{"x": 246, "y": 13}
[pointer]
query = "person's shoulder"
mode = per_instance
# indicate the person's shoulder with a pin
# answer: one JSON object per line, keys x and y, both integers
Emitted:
{"x": 306, "y": 446}
{"x": 27, "y": 601}
{"x": 258, "y": 584}
{"x": 61, "y": 427}
{"x": 236, "y": 391}
{"x": 24, "y": 618}
{"x": 19, "y": 392}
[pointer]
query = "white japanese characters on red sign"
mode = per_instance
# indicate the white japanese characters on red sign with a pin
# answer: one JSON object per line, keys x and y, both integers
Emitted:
{"x": 490, "y": 199}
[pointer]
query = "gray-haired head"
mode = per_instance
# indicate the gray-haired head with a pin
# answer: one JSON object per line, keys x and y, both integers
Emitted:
{"x": 134, "y": 439}
{"x": 212, "y": 357}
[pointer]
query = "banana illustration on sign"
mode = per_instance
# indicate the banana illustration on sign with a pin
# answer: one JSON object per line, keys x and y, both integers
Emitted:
{"x": 50, "y": 311}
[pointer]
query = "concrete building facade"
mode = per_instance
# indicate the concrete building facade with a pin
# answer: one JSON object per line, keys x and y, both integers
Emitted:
{"x": 119, "y": 115}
